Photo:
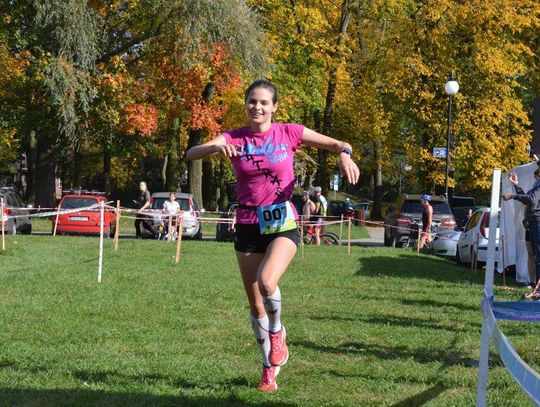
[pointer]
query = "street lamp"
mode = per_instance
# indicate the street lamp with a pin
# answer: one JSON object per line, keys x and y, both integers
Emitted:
{"x": 451, "y": 87}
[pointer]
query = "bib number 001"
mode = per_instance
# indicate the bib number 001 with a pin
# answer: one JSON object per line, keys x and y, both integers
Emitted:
{"x": 276, "y": 218}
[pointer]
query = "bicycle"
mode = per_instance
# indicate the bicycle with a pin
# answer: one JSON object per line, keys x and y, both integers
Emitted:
{"x": 327, "y": 238}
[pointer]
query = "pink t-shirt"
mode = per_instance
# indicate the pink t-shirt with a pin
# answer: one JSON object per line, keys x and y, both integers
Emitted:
{"x": 264, "y": 172}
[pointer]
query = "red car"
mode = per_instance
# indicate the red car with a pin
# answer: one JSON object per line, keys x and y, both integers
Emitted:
{"x": 86, "y": 220}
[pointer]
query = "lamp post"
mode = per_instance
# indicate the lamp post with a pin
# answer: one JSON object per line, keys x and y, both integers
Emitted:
{"x": 451, "y": 87}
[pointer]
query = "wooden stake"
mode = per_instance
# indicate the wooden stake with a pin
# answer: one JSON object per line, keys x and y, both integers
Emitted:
{"x": 56, "y": 220}
{"x": 349, "y": 237}
{"x": 117, "y": 228}
{"x": 341, "y": 230}
{"x": 179, "y": 239}
{"x": 302, "y": 237}
{"x": 2, "y": 222}
{"x": 170, "y": 229}
{"x": 418, "y": 241}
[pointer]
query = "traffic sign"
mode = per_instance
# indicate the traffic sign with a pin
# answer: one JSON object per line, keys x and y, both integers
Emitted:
{"x": 439, "y": 152}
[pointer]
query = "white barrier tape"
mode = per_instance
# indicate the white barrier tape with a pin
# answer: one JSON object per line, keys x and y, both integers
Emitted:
{"x": 523, "y": 374}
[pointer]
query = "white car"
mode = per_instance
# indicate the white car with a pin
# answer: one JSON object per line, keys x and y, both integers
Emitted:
{"x": 444, "y": 242}
{"x": 473, "y": 240}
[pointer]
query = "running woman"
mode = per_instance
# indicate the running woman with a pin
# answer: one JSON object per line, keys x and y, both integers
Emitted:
{"x": 267, "y": 237}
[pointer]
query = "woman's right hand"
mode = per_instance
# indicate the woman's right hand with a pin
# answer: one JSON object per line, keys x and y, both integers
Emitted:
{"x": 229, "y": 150}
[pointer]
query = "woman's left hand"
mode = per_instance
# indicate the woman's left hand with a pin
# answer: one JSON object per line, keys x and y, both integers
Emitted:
{"x": 349, "y": 168}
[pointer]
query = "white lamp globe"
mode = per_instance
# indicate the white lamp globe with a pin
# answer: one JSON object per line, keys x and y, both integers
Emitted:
{"x": 451, "y": 87}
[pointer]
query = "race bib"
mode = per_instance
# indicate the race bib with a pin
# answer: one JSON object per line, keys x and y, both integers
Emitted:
{"x": 276, "y": 218}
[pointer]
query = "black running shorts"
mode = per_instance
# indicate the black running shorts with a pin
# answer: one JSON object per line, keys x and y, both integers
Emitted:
{"x": 248, "y": 238}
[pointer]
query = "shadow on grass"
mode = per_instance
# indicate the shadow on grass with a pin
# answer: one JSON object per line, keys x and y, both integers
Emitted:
{"x": 459, "y": 306}
{"x": 405, "y": 322}
{"x": 412, "y": 266}
{"x": 423, "y": 397}
{"x": 110, "y": 377}
{"x": 82, "y": 397}
{"x": 447, "y": 357}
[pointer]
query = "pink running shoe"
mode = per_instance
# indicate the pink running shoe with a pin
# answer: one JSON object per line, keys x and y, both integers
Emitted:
{"x": 268, "y": 381}
{"x": 279, "y": 354}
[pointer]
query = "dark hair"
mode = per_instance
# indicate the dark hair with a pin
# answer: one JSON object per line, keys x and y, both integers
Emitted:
{"x": 262, "y": 83}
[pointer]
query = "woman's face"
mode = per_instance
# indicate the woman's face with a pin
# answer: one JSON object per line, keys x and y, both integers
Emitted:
{"x": 259, "y": 106}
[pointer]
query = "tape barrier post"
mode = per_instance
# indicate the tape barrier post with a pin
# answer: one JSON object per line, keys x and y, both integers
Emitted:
{"x": 2, "y": 215}
{"x": 349, "y": 237}
{"x": 169, "y": 229}
{"x": 101, "y": 221}
{"x": 56, "y": 220}
{"x": 180, "y": 226}
{"x": 117, "y": 228}
{"x": 302, "y": 237}
{"x": 488, "y": 290}
{"x": 418, "y": 241}
{"x": 341, "y": 231}
{"x": 502, "y": 257}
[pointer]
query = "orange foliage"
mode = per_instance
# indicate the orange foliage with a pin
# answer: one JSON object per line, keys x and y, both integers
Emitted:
{"x": 140, "y": 119}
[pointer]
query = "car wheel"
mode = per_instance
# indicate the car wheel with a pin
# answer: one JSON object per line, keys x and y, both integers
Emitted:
{"x": 29, "y": 229}
{"x": 458, "y": 257}
{"x": 393, "y": 241}
{"x": 198, "y": 236}
{"x": 386, "y": 240}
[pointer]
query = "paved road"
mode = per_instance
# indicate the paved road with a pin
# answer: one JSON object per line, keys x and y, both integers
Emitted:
{"x": 376, "y": 237}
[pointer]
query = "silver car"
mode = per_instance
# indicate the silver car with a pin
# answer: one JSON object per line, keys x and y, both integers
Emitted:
{"x": 445, "y": 242}
{"x": 191, "y": 225}
{"x": 16, "y": 216}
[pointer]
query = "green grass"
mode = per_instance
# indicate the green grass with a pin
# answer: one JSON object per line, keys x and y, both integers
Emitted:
{"x": 380, "y": 327}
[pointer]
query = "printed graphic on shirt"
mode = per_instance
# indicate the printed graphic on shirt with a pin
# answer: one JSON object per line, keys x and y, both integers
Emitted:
{"x": 274, "y": 152}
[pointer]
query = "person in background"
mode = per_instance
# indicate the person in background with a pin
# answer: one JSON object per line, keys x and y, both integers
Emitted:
{"x": 143, "y": 203}
{"x": 532, "y": 217}
{"x": 171, "y": 207}
{"x": 309, "y": 206}
{"x": 427, "y": 219}
{"x": 262, "y": 154}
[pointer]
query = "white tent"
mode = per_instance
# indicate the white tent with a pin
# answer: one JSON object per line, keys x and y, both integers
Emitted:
{"x": 511, "y": 223}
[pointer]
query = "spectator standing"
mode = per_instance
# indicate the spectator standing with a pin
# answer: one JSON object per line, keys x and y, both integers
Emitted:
{"x": 532, "y": 215}
{"x": 143, "y": 202}
{"x": 427, "y": 219}
{"x": 171, "y": 207}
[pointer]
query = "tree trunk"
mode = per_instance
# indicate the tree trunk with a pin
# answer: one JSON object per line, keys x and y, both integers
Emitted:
{"x": 377, "y": 187}
{"x": 46, "y": 171}
{"x": 107, "y": 157}
{"x": 323, "y": 179}
{"x": 195, "y": 138}
{"x": 31, "y": 160}
{"x": 209, "y": 187}
{"x": 77, "y": 166}
{"x": 171, "y": 177}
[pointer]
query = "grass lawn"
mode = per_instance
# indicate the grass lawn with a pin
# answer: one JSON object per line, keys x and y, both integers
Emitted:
{"x": 382, "y": 327}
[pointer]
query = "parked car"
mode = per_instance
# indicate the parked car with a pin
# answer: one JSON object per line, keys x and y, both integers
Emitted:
{"x": 82, "y": 215}
{"x": 365, "y": 207}
{"x": 225, "y": 231}
{"x": 444, "y": 242}
{"x": 191, "y": 225}
{"x": 338, "y": 208}
{"x": 408, "y": 210}
{"x": 16, "y": 216}
{"x": 474, "y": 238}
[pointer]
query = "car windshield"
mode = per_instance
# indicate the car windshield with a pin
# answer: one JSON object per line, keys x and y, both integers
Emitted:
{"x": 76, "y": 202}
{"x": 184, "y": 203}
{"x": 439, "y": 207}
